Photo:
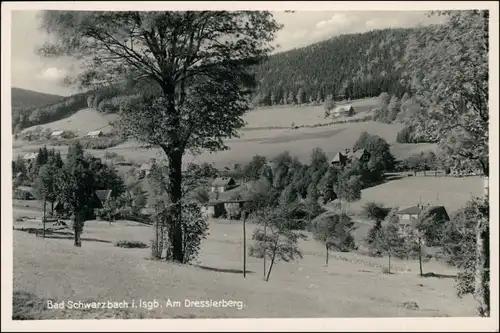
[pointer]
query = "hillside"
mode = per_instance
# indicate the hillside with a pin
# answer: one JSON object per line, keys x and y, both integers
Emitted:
{"x": 81, "y": 122}
{"x": 349, "y": 66}
{"x": 27, "y": 98}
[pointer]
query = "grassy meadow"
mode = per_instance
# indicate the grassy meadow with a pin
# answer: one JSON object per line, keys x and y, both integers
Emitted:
{"x": 267, "y": 132}
{"x": 52, "y": 268}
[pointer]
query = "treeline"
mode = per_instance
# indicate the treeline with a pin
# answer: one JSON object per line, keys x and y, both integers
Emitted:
{"x": 320, "y": 178}
{"x": 347, "y": 67}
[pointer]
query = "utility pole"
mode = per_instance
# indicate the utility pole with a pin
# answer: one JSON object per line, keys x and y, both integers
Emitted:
{"x": 244, "y": 245}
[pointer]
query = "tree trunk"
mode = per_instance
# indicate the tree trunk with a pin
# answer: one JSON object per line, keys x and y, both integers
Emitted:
{"x": 481, "y": 277}
{"x": 175, "y": 193}
{"x": 52, "y": 208}
{"x": 272, "y": 261}
{"x": 420, "y": 259}
{"x": 244, "y": 246}
{"x": 44, "y": 215}
{"x": 389, "y": 268}
{"x": 265, "y": 246}
{"x": 326, "y": 248}
{"x": 77, "y": 227}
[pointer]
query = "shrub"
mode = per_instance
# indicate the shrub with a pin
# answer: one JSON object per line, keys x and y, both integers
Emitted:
{"x": 68, "y": 135}
{"x": 103, "y": 142}
{"x": 131, "y": 244}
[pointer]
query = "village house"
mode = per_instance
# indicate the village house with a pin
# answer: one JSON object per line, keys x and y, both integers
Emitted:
{"x": 229, "y": 208}
{"x": 213, "y": 209}
{"x": 343, "y": 111}
{"x": 103, "y": 195}
{"x": 30, "y": 157}
{"x": 339, "y": 159}
{"x": 361, "y": 154}
{"x": 410, "y": 214}
{"x": 98, "y": 200}
{"x": 221, "y": 184}
{"x": 144, "y": 170}
{"x": 94, "y": 134}
{"x": 24, "y": 193}
{"x": 57, "y": 134}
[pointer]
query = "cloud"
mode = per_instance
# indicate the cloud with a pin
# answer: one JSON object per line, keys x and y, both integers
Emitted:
{"x": 53, "y": 74}
{"x": 337, "y": 20}
{"x": 304, "y": 28}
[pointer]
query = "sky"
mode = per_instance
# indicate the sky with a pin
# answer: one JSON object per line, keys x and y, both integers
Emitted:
{"x": 29, "y": 71}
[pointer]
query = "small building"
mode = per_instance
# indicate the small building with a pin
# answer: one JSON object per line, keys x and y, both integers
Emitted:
{"x": 361, "y": 154}
{"x": 213, "y": 209}
{"x": 410, "y": 214}
{"x": 230, "y": 208}
{"x": 343, "y": 111}
{"x": 94, "y": 134}
{"x": 99, "y": 197}
{"x": 233, "y": 208}
{"x": 57, "y": 134}
{"x": 221, "y": 184}
{"x": 144, "y": 170}
{"x": 339, "y": 159}
{"x": 24, "y": 193}
{"x": 103, "y": 195}
{"x": 30, "y": 156}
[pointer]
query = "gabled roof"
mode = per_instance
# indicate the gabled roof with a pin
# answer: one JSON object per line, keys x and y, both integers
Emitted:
{"x": 30, "y": 156}
{"x": 413, "y": 210}
{"x": 342, "y": 108}
{"x": 103, "y": 195}
{"x": 439, "y": 211}
{"x": 145, "y": 167}
{"x": 25, "y": 188}
{"x": 339, "y": 158}
{"x": 57, "y": 133}
{"x": 222, "y": 181}
{"x": 359, "y": 153}
{"x": 92, "y": 133}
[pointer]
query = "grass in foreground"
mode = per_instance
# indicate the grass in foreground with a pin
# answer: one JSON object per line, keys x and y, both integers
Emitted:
{"x": 100, "y": 271}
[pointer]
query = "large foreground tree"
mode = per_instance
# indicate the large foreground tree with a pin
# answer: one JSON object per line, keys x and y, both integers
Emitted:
{"x": 447, "y": 69}
{"x": 194, "y": 66}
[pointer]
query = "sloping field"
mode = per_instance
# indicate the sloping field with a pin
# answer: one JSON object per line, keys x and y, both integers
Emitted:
{"x": 450, "y": 192}
{"x": 100, "y": 272}
{"x": 284, "y": 116}
{"x": 267, "y": 142}
{"x": 81, "y": 122}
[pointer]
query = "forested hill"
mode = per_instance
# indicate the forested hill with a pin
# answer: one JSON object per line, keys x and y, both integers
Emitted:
{"x": 347, "y": 66}
{"x": 350, "y": 66}
{"x": 27, "y": 98}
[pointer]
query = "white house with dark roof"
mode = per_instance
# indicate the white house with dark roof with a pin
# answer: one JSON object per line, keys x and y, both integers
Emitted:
{"x": 410, "y": 214}
{"x": 221, "y": 184}
{"x": 57, "y": 134}
{"x": 343, "y": 111}
{"x": 339, "y": 159}
{"x": 94, "y": 134}
{"x": 30, "y": 156}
